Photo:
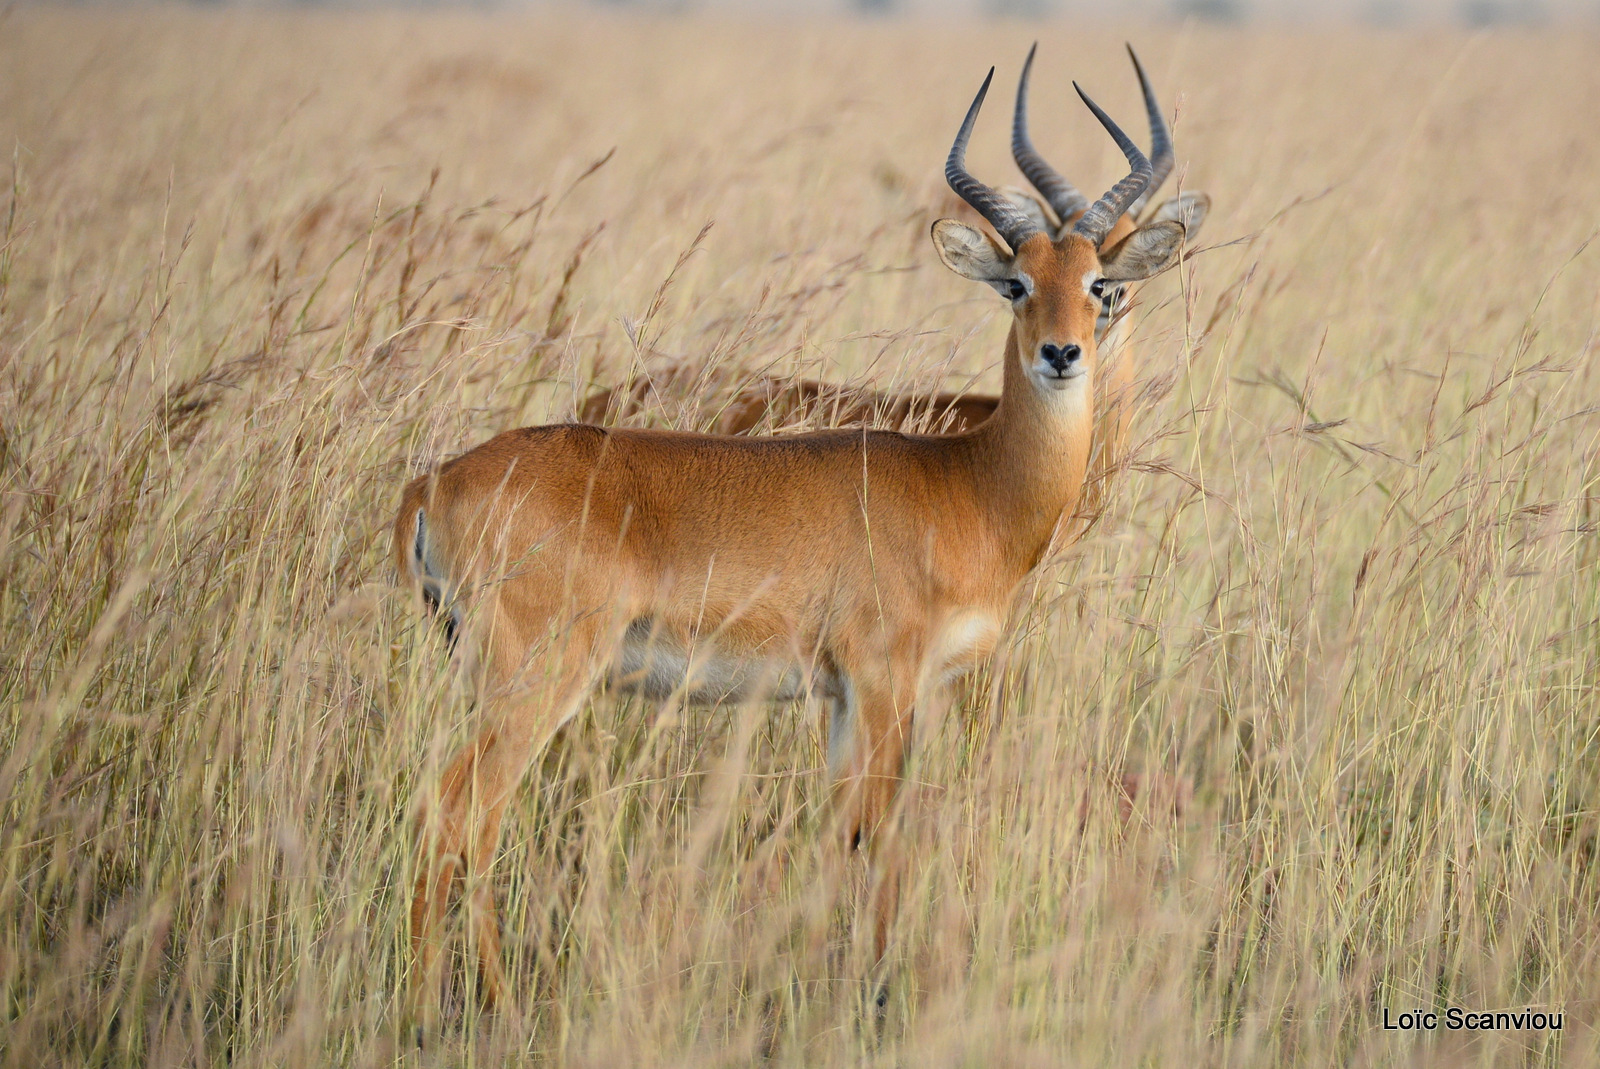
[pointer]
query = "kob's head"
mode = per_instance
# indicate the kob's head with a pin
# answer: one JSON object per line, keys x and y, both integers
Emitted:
{"x": 1055, "y": 285}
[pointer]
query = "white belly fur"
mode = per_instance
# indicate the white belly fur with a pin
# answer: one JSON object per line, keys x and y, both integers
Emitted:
{"x": 656, "y": 665}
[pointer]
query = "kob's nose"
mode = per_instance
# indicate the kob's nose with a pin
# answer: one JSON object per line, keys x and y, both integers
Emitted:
{"x": 1060, "y": 357}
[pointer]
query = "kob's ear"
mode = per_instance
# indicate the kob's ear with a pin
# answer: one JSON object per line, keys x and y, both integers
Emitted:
{"x": 1147, "y": 251}
{"x": 1190, "y": 209}
{"x": 970, "y": 253}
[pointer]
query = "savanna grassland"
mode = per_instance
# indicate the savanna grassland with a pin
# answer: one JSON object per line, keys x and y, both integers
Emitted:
{"x": 259, "y": 268}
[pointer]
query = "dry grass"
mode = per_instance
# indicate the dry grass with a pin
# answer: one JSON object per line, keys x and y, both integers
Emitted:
{"x": 258, "y": 267}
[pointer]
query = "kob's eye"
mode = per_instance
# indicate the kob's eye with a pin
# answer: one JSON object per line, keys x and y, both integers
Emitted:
{"x": 1098, "y": 289}
{"x": 1015, "y": 290}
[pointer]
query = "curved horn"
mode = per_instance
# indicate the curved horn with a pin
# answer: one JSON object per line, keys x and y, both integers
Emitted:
{"x": 1104, "y": 213}
{"x": 1012, "y": 225}
{"x": 1064, "y": 199}
{"x": 1160, "y": 140}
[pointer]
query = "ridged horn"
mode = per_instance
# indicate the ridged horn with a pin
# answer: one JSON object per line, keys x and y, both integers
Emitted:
{"x": 1104, "y": 213}
{"x": 1063, "y": 198}
{"x": 1161, "y": 157}
{"x": 1011, "y": 224}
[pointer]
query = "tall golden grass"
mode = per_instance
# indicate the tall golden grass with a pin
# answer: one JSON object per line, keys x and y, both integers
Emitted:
{"x": 257, "y": 268}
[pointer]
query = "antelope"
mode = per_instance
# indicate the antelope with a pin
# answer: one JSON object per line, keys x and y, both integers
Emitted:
{"x": 859, "y": 568}
{"x": 1063, "y": 205}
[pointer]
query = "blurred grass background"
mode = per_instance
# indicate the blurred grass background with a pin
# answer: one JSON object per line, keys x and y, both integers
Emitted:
{"x": 259, "y": 267}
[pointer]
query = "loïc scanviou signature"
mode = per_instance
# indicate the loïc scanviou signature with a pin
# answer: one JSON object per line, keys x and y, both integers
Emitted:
{"x": 1454, "y": 1018}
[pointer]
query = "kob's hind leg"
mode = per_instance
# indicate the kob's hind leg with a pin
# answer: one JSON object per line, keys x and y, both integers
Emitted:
{"x": 450, "y": 838}
{"x": 459, "y": 834}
